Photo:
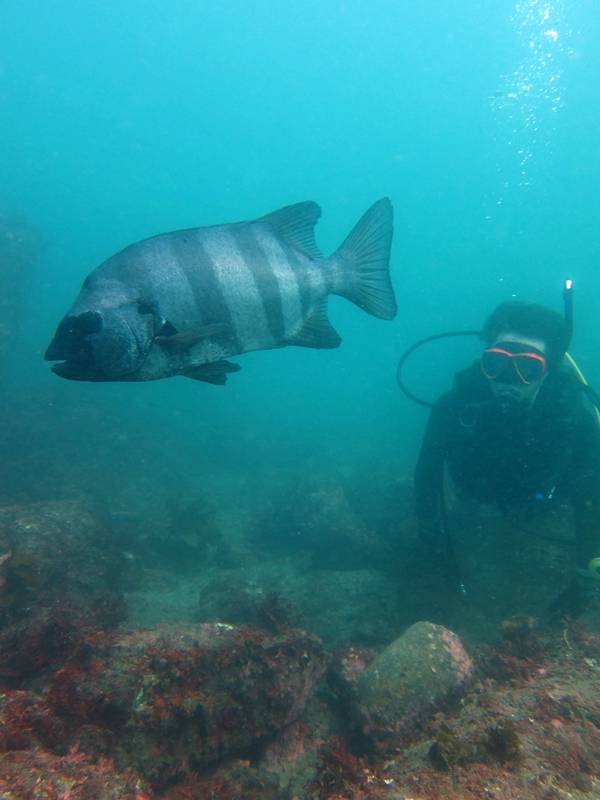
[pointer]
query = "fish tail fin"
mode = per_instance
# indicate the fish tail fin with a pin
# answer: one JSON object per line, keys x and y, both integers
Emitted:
{"x": 363, "y": 262}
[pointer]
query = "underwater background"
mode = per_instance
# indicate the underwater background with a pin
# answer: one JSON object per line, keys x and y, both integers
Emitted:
{"x": 121, "y": 120}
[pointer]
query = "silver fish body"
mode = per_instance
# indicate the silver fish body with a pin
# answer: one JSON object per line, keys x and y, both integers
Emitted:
{"x": 181, "y": 303}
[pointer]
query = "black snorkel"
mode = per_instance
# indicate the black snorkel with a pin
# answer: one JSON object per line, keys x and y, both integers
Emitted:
{"x": 592, "y": 395}
{"x": 568, "y": 303}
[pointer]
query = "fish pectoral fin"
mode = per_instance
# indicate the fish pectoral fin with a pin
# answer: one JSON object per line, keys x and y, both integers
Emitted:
{"x": 296, "y": 224}
{"x": 178, "y": 342}
{"x": 316, "y": 330}
{"x": 216, "y": 372}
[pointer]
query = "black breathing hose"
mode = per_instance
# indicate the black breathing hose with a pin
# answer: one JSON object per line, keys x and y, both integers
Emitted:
{"x": 412, "y": 349}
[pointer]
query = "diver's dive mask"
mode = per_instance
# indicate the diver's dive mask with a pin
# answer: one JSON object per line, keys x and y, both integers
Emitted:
{"x": 512, "y": 362}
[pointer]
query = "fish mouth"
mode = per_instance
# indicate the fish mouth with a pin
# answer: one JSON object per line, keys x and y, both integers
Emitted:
{"x": 73, "y": 371}
{"x": 76, "y": 370}
{"x": 72, "y": 364}
{"x": 71, "y": 346}
{"x": 80, "y": 371}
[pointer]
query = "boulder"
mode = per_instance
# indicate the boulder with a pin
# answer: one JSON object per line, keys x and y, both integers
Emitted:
{"x": 315, "y": 516}
{"x": 169, "y": 702}
{"x": 53, "y": 548}
{"x": 422, "y": 667}
{"x": 60, "y": 575}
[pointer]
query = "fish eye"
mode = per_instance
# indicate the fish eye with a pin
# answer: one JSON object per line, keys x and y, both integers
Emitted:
{"x": 144, "y": 308}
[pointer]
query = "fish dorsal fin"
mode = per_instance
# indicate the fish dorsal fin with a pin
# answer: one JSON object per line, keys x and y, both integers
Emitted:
{"x": 296, "y": 224}
{"x": 316, "y": 330}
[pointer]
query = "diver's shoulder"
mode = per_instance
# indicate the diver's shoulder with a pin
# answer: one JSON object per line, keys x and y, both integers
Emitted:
{"x": 565, "y": 395}
{"x": 470, "y": 382}
{"x": 469, "y": 385}
{"x": 566, "y": 383}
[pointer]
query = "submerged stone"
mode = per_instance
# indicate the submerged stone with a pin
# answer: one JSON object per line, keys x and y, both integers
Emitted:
{"x": 424, "y": 665}
{"x": 169, "y": 702}
{"x": 315, "y": 516}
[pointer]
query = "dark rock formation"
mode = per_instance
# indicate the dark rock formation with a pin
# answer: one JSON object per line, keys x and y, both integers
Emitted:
{"x": 60, "y": 576}
{"x": 315, "y": 516}
{"x": 169, "y": 702}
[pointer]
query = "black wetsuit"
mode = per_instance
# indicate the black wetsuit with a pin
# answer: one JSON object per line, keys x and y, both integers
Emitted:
{"x": 512, "y": 454}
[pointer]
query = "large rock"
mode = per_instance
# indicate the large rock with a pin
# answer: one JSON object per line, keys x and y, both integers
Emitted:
{"x": 168, "y": 702}
{"x": 56, "y": 547}
{"x": 60, "y": 574}
{"x": 427, "y": 663}
{"x": 37, "y": 775}
{"x": 315, "y": 516}
{"x": 338, "y": 605}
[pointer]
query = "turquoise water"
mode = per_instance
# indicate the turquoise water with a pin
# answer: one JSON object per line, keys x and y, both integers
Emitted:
{"x": 480, "y": 120}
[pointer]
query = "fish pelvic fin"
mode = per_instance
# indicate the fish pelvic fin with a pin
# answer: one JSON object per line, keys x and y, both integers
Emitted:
{"x": 363, "y": 262}
{"x": 296, "y": 224}
{"x": 215, "y": 372}
{"x": 316, "y": 330}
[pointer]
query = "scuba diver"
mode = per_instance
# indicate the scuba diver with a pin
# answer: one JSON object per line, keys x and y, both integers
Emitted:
{"x": 514, "y": 431}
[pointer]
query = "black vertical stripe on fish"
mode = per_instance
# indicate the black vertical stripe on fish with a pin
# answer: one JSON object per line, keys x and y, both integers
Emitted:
{"x": 198, "y": 267}
{"x": 293, "y": 228}
{"x": 266, "y": 282}
{"x": 239, "y": 289}
{"x": 156, "y": 258}
{"x": 277, "y": 255}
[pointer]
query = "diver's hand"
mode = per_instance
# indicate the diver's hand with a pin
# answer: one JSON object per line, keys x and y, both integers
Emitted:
{"x": 431, "y": 553}
{"x": 429, "y": 534}
{"x": 575, "y": 598}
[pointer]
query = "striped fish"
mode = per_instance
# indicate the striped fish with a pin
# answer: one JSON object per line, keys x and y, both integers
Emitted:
{"x": 182, "y": 303}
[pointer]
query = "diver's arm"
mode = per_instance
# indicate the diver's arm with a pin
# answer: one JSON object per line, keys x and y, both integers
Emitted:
{"x": 586, "y": 491}
{"x": 429, "y": 474}
{"x": 584, "y": 480}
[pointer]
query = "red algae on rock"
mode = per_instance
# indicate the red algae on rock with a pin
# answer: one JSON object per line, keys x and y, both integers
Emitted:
{"x": 169, "y": 702}
{"x": 147, "y": 713}
{"x": 36, "y": 775}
